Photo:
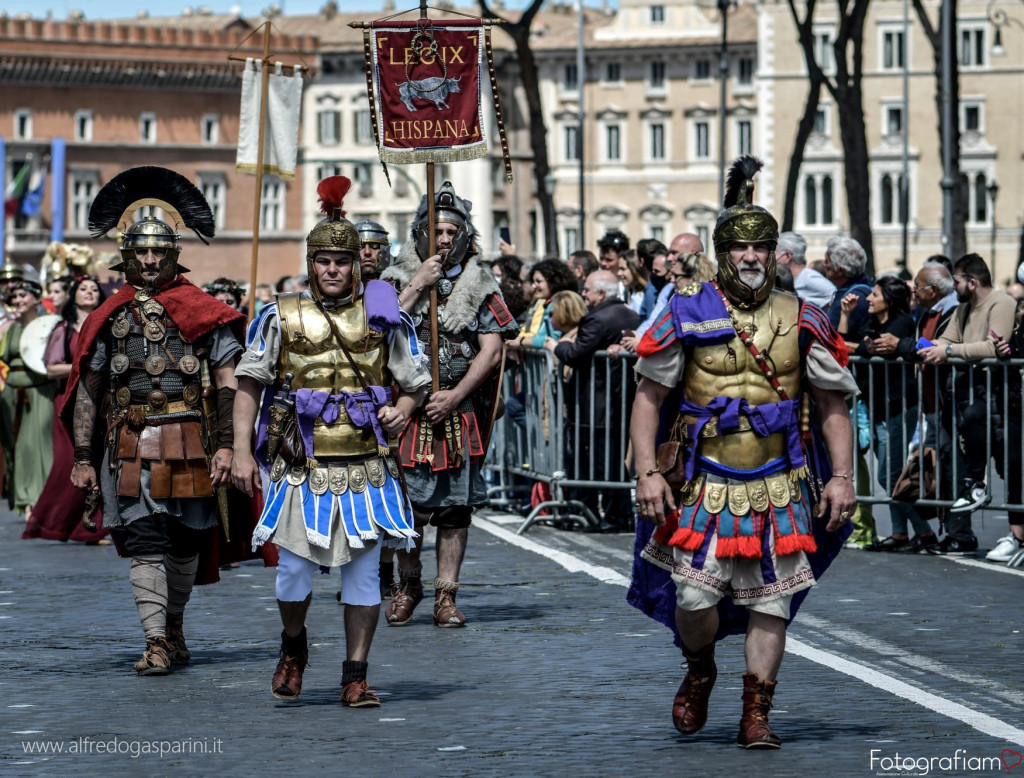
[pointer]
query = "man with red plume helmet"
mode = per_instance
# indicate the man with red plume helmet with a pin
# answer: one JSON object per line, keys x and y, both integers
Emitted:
{"x": 749, "y": 511}
{"x": 146, "y": 350}
{"x": 443, "y": 446}
{"x": 325, "y": 361}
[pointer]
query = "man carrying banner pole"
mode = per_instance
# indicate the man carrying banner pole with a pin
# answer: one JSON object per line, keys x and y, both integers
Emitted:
{"x": 443, "y": 445}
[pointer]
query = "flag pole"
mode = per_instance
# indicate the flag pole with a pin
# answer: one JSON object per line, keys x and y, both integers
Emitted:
{"x": 435, "y": 363}
{"x": 258, "y": 199}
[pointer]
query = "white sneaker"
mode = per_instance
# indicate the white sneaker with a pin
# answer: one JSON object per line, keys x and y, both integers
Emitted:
{"x": 1004, "y": 549}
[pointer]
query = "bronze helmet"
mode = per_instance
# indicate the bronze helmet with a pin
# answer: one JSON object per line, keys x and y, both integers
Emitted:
{"x": 335, "y": 233}
{"x": 451, "y": 209}
{"x": 744, "y": 222}
{"x": 150, "y": 186}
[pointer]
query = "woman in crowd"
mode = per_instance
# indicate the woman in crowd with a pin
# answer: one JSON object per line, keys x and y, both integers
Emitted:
{"x": 227, "y": 291}
{"x": 891, "y": 396}
{"x": 58, "y": 512}
{"x": 548, "y": 277}
{"x": 634, "y": 277}
{"x": 26, "y": 406}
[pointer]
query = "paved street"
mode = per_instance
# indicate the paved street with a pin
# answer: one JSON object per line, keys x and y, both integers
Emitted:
{"x": 554, "y": 675}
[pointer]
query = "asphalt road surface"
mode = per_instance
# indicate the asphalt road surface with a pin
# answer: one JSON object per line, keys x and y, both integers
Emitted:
{"x": 895, "y": 665}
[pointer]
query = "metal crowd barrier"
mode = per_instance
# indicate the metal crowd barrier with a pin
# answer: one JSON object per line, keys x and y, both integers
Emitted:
{"x": 566, "y": 444}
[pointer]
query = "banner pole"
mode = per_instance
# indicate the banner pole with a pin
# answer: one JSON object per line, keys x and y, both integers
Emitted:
{"x": 435, "y": 363}
{"x": 258, "y": 200}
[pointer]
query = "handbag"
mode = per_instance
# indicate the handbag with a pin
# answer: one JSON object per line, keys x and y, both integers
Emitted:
{"x": 917, "y": 482}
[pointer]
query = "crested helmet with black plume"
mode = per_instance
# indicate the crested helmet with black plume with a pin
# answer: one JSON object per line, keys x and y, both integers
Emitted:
{"x": 136, "y": 188}
{"x": 449, "y": 208}
{"x": 334, "y": 233}
{"x": 742, "y": 222}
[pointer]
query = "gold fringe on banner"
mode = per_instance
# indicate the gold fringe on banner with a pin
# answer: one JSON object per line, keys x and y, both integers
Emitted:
{"x": 505, "y": 155}
{"x": 368, "y": 55}
{"x": 411, "y": 156}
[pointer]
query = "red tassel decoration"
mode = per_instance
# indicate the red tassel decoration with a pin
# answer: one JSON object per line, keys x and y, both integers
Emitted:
{"x": 332, "y": 191}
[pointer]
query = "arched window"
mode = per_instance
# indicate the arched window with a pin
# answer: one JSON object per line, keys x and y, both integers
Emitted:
{"x": 810, "y": 201}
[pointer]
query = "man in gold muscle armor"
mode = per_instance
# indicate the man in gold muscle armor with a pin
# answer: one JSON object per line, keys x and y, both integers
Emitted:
{"x": 332, "y": 354}
{"x": 758, "y": 503}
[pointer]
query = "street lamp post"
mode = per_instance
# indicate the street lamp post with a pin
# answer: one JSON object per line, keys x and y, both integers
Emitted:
{"x": 993, "y": 191}
{"x": 723, "y": 77}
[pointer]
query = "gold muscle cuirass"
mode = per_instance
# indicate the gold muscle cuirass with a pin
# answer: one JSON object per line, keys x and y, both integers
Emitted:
{"x": 729, "y": 370}
{"x": 310, "y": 351}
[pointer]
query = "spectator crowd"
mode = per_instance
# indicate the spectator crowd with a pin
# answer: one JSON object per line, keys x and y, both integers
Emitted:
{"x": 938, "y": 409}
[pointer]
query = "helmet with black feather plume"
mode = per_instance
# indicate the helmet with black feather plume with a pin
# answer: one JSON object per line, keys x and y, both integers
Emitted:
{"x": 743, "y": 222}
{"x": 136, "y": 188}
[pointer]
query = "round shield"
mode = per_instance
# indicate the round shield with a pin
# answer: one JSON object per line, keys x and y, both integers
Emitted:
{"x": 33, "y": 342}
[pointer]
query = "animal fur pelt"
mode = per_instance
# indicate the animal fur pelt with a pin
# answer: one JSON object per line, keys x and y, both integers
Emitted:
{"x": 472, "y": 286}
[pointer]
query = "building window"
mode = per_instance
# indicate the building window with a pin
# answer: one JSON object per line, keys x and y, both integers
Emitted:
{"x": 328, "y": 127}
{"x": 975, "y": 190}
{"x": 821, "y": 121}
{"x": 745, "y": 73}
{"x": 893, "y": 209}
{"x": 658, "y": 232}
{"x": 704, "y": 234}
{"x": 147, "y": 127}
{"x": 972, "y": 116}
{"x": 893, "y": 120}
{"x": 214, "y": 188}
{"x": 570, "y": 240}
{"x": 361, "y": 175}
{"x": 570, "y": 77}
{"x": 613, "y": 139}
{"x": 657, "y": 140}
{"x": 23, "y": 124}
{"x": 657, "y": 75}
{"x": 613, "y": 73}
{"x": 657, "y": 14}
{"x": 701, "y": 140}
{"x": 972, "y": 47}
{"x": 272, "y": 204}
{"x": 83, "y": 125}
{"x": 702, "y": 70}
{"x": 84, "y": 186}
{"x": 570, "y": 134}
{"x": 327, "y": 170}
{"x": 818, "y": 200}
{"x": 824, "y": 51}
{"x": 211, "y": 129}
{"x": 744, "y": 137}
{"x": 893, "y": 55}
{"x": 364, "y": 129}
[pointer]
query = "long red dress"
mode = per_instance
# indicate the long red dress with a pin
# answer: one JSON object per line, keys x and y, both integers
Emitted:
{"x": 57, "y": 514}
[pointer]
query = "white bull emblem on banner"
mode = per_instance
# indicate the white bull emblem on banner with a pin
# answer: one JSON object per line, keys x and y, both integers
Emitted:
{"x": 431, "y": 90}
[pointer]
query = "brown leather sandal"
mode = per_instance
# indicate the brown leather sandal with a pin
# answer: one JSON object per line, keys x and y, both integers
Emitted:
{"x": 446, "y": 614}
{"x": 180, "y": 655}
{"x": 410, "y": 594}
{"x": 156, "y": 659}
{"x": 358, "y": 694}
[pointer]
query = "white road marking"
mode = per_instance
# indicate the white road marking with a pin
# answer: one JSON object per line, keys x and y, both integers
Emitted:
{"x": 979, "y": 721}
{"x": 568, "y": 561}
{"x": 994, "y": 567}
{"x": 916, "y": 662}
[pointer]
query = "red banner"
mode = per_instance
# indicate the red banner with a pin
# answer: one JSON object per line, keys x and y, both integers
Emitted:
{"x": 427, "y": 76}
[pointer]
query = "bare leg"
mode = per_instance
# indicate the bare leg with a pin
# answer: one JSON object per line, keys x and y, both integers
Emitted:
{"x": 293, "y": 615}
{"x": 697, "y": 628}
{"x": 765, "y": 645}
{"x": 451, "y": 550}
{"x": 410, "y": 560}
{"x": 360, "y": 624}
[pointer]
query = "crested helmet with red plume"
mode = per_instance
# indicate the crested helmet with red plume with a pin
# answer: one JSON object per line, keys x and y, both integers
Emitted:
{"x": 335, "y": 232}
